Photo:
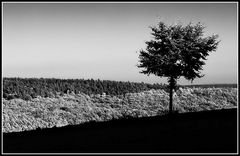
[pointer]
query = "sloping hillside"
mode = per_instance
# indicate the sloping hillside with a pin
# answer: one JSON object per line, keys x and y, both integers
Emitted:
{"x": 198, "y": 132}
{"x": 71, "y": 109}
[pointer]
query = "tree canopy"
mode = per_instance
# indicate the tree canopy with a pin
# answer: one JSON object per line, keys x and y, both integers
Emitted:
{"x": 176, "y": 51}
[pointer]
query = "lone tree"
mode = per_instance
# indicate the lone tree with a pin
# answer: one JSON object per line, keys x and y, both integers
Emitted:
{"x": 176, "y": 51}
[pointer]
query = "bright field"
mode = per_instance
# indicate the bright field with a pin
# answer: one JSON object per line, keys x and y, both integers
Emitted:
{"x": 20, "y": 115}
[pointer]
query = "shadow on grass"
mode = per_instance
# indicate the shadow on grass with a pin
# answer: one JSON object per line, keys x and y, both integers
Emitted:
{"x": 199, "y": 132}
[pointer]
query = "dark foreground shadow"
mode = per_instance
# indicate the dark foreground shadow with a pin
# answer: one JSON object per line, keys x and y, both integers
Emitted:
{"x": 202, "y": 132}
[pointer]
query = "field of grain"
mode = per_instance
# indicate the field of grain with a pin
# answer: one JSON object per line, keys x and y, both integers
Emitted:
{"x": 73, "y": 109}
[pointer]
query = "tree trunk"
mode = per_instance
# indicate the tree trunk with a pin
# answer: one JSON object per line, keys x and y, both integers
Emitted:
{"x": 171, "y": 95}
{"x": 170, "y": 102}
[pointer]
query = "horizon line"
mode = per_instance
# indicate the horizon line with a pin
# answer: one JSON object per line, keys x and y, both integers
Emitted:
{"x": 114, "y": 80}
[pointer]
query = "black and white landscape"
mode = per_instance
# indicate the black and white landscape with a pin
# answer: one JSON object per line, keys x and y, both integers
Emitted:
{"x": 119, "y": 77}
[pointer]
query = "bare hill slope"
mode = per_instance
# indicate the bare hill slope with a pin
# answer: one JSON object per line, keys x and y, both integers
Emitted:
{"x": 198, "y": 132}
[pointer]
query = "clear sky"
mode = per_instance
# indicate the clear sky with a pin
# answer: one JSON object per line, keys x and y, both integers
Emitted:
{"x": 101, "y": 40}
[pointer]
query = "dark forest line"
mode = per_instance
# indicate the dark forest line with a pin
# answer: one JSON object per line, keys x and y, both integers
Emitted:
{"x": 28, "y": 88}
{"x": 213, "y": 85}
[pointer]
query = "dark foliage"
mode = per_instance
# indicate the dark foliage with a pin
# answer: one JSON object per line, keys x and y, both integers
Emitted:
{"x": 27, "y": 88}
{"x": 176, "y": 51}
{"x": 212, "y": 85}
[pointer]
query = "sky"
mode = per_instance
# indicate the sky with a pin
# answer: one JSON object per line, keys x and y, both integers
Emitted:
{"x": 103, "y": 40}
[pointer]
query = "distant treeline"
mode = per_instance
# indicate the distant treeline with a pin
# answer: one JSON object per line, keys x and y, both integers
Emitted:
{"x": 212, "y": 85}
{"x": 27, "y": 88}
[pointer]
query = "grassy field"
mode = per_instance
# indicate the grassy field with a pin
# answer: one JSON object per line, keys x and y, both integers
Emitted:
{"x": 71, "y": 109}
{"x": 134, "y": 123}
{"x": 198, "y": 132}
{"x": 20, "y": 115}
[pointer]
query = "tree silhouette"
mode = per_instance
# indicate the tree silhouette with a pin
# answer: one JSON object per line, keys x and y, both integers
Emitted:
{"x": 176, "y": 51}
